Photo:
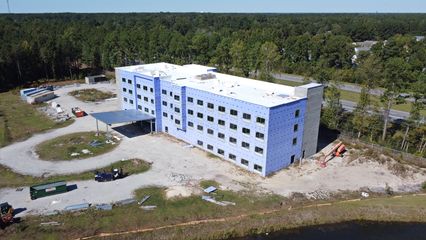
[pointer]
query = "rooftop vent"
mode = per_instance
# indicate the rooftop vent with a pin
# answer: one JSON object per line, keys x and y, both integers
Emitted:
{"x": 205, "y": 76}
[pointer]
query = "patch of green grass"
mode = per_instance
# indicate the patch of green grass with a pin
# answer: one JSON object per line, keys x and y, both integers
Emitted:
{"x": 287, "y": 82}
{"x": 19, "y": 120}
{"x": 8, "y": 178}
{"x": 91, "y": 95}
{"x": 62, "y": 147}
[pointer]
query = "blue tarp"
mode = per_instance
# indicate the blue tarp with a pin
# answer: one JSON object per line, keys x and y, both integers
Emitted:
{"x": 123, "y": 116}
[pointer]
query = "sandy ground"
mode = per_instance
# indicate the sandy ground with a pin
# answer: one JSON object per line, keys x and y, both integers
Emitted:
{"x": 178, "y": 168}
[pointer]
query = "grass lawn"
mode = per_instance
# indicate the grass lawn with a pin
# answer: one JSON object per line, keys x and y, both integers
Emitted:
{"x": 91, "y": 95}
{"x": 19, "y": 120}
{"x": 62, "y": 147}
{"x": 8, "y": 178}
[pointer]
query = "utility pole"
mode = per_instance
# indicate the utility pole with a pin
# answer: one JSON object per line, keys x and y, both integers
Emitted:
{"x": 8, "y": 7}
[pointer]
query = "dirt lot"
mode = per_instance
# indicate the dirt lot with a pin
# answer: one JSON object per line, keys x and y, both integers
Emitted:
{"x": 180, "y": 168}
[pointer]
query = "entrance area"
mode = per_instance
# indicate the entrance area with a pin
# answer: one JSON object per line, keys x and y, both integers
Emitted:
{"x": 138, "y": 123}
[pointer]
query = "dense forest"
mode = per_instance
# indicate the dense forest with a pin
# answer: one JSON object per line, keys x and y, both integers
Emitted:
{"x": 69, "y": 46}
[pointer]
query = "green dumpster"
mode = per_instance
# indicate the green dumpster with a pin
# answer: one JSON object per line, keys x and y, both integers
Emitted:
{"x": 47, "y": 189}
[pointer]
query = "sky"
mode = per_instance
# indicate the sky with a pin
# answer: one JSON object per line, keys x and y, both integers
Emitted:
{"x": 250, "y": 6}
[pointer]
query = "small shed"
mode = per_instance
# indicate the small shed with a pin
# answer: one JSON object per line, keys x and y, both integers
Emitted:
{"x": 47, "y": 189}
{"x": 95, "y": 79}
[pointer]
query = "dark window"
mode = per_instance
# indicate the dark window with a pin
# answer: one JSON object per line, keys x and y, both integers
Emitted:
{"x": 139, "y": 96}
{"x": 258, "y": 150}
{"x": 171, "y": 94}
{"x": 139, "y": 107}
{"x": 221, "y": 135}
{"x": 131, "y": 101}
{"x": 245, "y": 145}
{"x": 199, "y": 115}
{"x": 199, "y": 127}
{"x": 297, "y": 113}
{"x": 260, "y": 135}
{"x": 260, "y": 120}
{"x": 232, "y": 140}
{"x": 295, "y": 127}
{"x": 246, "y": 116}
{"x": 246, "y": 131}
{"x": 124, "y": 89}
{"x": 145, "y": 99}
{"x": 164, "y": 103}
{"x": 171, "y": 117}
{"x": 177, "y": 110}
{"x": 152, "y": 112}
{"x": 151, "y": 90}
{"x": 177, "y": 121}
{"x": 221, "y": 109}
{"x": 210, "y": 105}
{"x": 233, "y": 126}
{"x": 164, "y": 92}
{"x": 209, "y": 147}
{"x": 129, "y": 81}
{"x": 200, "y": 143}
{"x": 130, "y": 91}
{"x": 125, "y": 99}
{"x": 164, "y": 114}
{"x": 292, "y": 159}
{"x": 232, "y": 156}
{"x": 210, "y": 118}
{"x": 220, "y": 151}
{"x": 190, "y": 99}
{"x": 244, "y": 162}
{"x": 190, "y": 112}
{"x": 294, "y": 141}
{"x": 191, "y": 124}
{"x": 210, "y": 131}
{"x": 152, "y": 101}
{"x": 200, "y": 102}
{"x": 234, "y": 112}
{"x": 138, "y": 85}
{"x": 146, "y": 110}
{"x": 166, "y": 129}
{"x": 171, "y": 105}
{"x": 177, "y": 98}
{"x": 257, "y": 168}
{"x": 123, "y": 80}
{"x": 145, "y": 88}
{"x": 221, "y": 122}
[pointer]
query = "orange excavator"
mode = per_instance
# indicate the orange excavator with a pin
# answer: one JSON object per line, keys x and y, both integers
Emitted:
{"x": 336, "y": 151}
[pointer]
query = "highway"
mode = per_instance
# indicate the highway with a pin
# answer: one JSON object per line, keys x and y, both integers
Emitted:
{"x": 347, "y": 105}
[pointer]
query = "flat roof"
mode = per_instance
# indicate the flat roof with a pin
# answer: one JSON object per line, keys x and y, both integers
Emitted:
{"x": 206, "y": 79}
{"x": 122, "y": 116}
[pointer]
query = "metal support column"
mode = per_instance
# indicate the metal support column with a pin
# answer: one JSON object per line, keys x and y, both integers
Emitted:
{"x": 97, "y": 128}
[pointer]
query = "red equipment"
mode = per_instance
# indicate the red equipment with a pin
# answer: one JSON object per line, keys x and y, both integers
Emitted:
{"x": 78, "y": 112}
{"x": 336, "y": 151}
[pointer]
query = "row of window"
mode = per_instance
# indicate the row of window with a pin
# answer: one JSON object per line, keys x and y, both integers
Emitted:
{"x": 231, "y": 156}
{"x": 232, "y": 140}
{"x": 233, "y": 112}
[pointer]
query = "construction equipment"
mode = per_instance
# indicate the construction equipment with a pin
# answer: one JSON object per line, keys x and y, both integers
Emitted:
{"x": 78, "y": 112}
{"x": 109, "y": 176}
{"x": 6, "y": 214}
{"x": 336, "y": 151}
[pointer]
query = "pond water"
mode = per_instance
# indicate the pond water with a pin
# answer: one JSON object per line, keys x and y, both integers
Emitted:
{"x": 355, "y": 230}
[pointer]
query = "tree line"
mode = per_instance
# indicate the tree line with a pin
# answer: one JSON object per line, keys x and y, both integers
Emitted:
{"x": 70, "y": 46}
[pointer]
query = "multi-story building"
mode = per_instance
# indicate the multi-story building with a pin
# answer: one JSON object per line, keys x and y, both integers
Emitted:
{"x": 260, "y": 126}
